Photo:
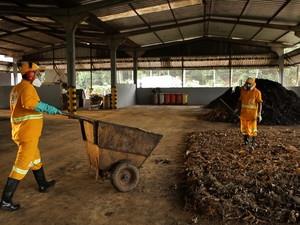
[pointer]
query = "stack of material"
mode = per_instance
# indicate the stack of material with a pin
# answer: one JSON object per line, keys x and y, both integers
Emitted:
{"x": 227, "y": 182}
{"x": 280, "y": 106}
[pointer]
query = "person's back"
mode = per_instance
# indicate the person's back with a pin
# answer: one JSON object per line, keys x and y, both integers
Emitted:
{"x": 249, "y": 101}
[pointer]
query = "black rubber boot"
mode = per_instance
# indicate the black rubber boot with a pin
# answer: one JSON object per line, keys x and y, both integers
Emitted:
{"x": 246, "y": 139}
{"x": 253, "y": 143}
{"x": 8, "y": 192}
{"x": 44, "y": 185}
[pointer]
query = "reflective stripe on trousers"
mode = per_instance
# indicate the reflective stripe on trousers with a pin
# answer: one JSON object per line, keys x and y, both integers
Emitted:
{"x": 24, "y": 172}
{"x": 249, "y": 106}
{"x": 27, "y": 117}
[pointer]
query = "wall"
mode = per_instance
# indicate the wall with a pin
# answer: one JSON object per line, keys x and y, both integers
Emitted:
{"x": 4, "y": 96}
{"x": 126, "y": 95}
{"x": 50, "y": 94}
{"x": 197, "y": 96}
{"x": 5, "y": 79}
{"x": 295, "y": 89}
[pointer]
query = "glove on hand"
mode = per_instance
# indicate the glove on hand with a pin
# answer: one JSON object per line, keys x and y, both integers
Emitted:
{"x": 49, "y": 109}
{"x": 259, "y": 118}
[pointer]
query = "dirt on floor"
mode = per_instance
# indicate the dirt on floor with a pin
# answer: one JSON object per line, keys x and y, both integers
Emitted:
{"x": 79, "y": 199}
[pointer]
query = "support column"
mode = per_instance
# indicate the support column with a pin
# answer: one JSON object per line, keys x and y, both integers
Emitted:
{"x": 15, "y": 71}
{"x": 182, "y": 72}
{"x": 135, "y": 68}
{"x": 91, "y": 70}
{"x": 279, "y": 51}
{"x": 214, "y": 77}
{"x": 70, "y": 24}
{"x": 70, "y": 50}
{"x": 230, "y": 67}
{"x": 281, "y": 67}
{"x": 113, "y": 71}
{"x": 298, "y": 76}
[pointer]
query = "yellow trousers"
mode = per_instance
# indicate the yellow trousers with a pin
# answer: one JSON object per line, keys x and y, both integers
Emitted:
{"x": 28, "y": 157}
{"x": 249, "y": 127}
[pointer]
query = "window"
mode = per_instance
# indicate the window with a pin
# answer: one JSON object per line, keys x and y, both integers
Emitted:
{"x": 271, "y": 73}
{"x": 125, "y": 77}
{"x": 290, "y": 76}
{"x": 239, "y": 75}
{"x": 159, "y": 78}
{"x": 100, "y": 82}
{"x": 222, "y": 78}
{"x": 199, "y": 78}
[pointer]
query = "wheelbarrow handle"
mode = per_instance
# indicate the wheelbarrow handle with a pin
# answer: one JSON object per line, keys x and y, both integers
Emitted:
{"x": 74, "y": 116}
{"x": 70, "y": 115}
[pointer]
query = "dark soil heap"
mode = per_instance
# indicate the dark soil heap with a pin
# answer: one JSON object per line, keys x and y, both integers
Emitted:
{"x": 225, "y": 181}
{"x": 280, "y": 106}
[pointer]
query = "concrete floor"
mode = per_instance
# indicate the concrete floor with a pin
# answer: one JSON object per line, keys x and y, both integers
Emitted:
{"x": 78, "y": 198}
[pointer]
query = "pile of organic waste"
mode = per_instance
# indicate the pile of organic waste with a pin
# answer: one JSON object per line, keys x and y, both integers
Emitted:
{"x": 281, "y": 106}
{"x": 223, "y": 180}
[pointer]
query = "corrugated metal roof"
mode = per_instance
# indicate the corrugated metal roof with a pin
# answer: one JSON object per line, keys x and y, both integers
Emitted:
{"x": 192, "y": 31}
{"x": 145, "y": 39}
{"x": 244, "y": 31}
{"x": 220, "y": 29}
{"x": 268, "y": 34}
{"x": 119, "y": 16}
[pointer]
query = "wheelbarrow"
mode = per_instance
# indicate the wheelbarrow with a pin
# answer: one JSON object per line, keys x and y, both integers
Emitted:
{"x": 116, "y": 149}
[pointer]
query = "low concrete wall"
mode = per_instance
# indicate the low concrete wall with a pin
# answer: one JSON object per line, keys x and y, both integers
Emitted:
{"x": 295, "y": 89}
{"x": 4, "y": 96}
{"x": 197, "y": 96}
{"x": 126, "y": 95}
{"x": 50, "y": 94}
{"x": 5, "y": 79}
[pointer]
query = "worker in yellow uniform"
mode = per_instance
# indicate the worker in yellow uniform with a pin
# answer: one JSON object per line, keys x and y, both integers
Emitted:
{"x": 250, "y": 107}
{"x": 27, "y": 122}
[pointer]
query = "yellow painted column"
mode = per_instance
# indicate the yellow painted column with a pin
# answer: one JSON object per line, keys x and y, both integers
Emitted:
{"x": 72, "y": 104}
{"x": 114, "y": 96}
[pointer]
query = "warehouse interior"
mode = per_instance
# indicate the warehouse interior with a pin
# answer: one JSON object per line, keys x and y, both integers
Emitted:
{"x": 152, "y": 65}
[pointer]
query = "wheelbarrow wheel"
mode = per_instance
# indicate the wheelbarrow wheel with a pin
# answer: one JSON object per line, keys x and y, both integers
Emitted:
{"x": 125, "y": 177}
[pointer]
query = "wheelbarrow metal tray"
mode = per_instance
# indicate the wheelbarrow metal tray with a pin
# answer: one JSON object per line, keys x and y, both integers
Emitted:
{"x": 114, "y": 143}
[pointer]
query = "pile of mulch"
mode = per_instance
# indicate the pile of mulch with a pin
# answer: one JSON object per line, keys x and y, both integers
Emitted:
{"x": 227, "y": 182}
{"x": 280, "y": 107}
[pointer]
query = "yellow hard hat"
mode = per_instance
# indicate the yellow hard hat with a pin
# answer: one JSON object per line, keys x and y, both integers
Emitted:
{"x": 28, "y": 66}
{"x": 250, "y": 80}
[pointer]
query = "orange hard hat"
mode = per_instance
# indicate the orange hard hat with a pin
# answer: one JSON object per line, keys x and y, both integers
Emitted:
{"x": 28, "y": 67}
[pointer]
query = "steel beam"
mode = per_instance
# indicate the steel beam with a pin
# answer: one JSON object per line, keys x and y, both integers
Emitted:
{"x": 135, "y": 67}
{"x": 145, "y": 22}
{"x": 238, "y": 20}
{"x": 97, "y": 5}
{"x": 31, "y": 27}
{"x": 201, "y": 20}
{"x": 19, "y": 44}
{"x": 8, "y": 33}
{"x": 272, "y": 17}
{"x": 175, "y": 19}
{"x": 31, "y": 11}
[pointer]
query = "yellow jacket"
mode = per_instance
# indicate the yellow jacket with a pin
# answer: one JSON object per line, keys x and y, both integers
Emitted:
{"x": 26, "y": 123}
{"x": 249, "y": 103}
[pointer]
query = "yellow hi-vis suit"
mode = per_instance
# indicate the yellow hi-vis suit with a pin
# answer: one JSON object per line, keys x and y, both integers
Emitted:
{"x": 27, "y": 127}
{"x": 249, "y": 109}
